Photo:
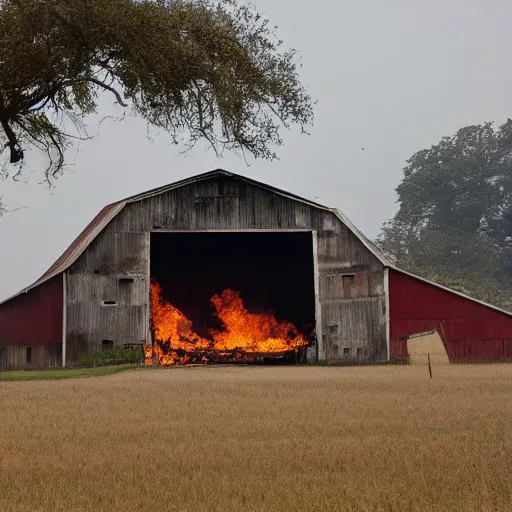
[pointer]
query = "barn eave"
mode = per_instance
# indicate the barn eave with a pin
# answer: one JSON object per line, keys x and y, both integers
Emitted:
{"x": 109, "y": 212}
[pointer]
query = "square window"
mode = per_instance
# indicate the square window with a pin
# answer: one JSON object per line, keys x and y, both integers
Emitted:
{"x": 346, "y": 351}
{"x": 125, "y": 290}
{"x": 107, "y": 344}
{"x": 347, "y": 280}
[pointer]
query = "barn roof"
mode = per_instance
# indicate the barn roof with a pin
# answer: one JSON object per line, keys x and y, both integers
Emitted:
{"x": 100, "y": 222}
{"x": 450, "y": 290}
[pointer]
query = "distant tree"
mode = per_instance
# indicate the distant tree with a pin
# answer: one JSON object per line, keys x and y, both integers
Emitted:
{"x": 454, "y": 223}
{"x": 198, "y": 69}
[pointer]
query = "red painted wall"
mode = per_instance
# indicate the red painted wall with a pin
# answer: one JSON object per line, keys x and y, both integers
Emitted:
{"x": 35, "y": 317}
{"x": 470, "y": 330}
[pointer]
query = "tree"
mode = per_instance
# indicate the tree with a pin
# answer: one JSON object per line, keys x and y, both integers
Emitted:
{"x": 199, "y": 69}
{"x": 454, "y": 223}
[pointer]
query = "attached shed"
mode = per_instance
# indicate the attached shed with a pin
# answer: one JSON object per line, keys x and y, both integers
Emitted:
{"x": 470, "y": 329}
{"x": 31, "y": 327}
{"x": 307, "y": 263}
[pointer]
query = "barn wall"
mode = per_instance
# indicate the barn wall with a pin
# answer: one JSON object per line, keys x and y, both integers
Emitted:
{"x": 32, "y": 319}
{"x": 107, "y": 293}
{"x": 471, "y": 331}
{"x": 35, "y": 317}
{"x": 15, "y": 357}
{"x": 351, "y": 278}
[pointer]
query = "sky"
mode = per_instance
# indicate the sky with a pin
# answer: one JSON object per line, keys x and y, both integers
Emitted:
{"x": 391, "y": 77}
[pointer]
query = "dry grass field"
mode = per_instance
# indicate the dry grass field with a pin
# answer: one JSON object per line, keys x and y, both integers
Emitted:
{"x": 260, "y": 438}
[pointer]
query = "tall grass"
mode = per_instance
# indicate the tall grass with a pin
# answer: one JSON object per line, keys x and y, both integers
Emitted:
{"x": 275, "y": 439}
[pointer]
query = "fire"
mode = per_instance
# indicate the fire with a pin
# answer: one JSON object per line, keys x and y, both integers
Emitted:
{"x": 148, "y": 355}
{"x": 174, "y": 329}
{"x": 242, "y": 335}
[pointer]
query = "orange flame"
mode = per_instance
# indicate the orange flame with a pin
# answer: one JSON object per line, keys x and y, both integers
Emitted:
{"x": 173, "y": 328}
{"x": 148, "y": 355}
{"x": 242, "y": 335}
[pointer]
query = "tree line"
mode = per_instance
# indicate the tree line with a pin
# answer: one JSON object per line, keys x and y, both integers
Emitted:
{"x": 454, "y": 221}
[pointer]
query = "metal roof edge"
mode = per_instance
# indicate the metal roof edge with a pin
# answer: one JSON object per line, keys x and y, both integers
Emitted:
{"x": 79, "y": 248}
{"x": 74, "y": 250}
{"x": 28, "y": 288}
{"x": 450, "y": 290}
{"x": 362, "y": 238}
{"x": 105, "y": 216}
{"x": 217, "y": 172}
{"x": 177, "y": 184}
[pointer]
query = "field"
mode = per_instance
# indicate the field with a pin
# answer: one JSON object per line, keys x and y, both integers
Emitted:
{"x": 260, "y": 438}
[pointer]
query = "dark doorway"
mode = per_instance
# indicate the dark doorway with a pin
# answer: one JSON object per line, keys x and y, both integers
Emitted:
{"x": 271, "y": 270}
{"x": 107, "y": 344}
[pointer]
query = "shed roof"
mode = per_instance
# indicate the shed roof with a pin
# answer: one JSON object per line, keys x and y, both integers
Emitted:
{"x": 450, "y": 290}
{"x": 100, "y": 222}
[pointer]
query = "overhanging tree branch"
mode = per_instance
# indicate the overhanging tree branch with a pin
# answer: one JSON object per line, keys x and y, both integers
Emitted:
{"x": 16, "y": 153}
{"x": 198, "y": 69}
{"x": 107, "y": 87}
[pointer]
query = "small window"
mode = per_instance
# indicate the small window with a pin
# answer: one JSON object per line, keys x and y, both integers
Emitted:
{"x": 29, "y": 354}
{"x": 107, "y": 344}
{"x": 346, "y": 351}
{"x": 359, "y": 353}
{"x": 125, "y": 290}
{"x": 333, "y": 329}
{"x": 347, "y": 281}
{"x": 109, "y": 303}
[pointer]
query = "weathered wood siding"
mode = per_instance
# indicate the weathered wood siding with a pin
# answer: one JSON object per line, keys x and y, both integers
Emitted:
{"x": 34, "y": 317}
{"x": 14, "y": 357}
{"x": 351, "y": 279}
{"x": 107, "y": 293}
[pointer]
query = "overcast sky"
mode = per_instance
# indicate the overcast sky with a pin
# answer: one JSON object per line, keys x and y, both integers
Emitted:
{"x": 391, "y": 77}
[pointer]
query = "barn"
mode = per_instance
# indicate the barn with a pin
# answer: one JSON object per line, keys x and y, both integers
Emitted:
{"x": 218, "y": 268}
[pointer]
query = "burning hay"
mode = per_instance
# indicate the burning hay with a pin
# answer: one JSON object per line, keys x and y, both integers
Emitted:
{"x": 242, "y": 336}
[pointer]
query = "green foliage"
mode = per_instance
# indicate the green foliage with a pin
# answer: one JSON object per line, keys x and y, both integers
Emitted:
{"x": 461, "y": 185}
{"x": 198, "y": 69}
{"x": 111, "y": 357}
{"x": 317, "y": 363}
{"x": 454, "y": 224}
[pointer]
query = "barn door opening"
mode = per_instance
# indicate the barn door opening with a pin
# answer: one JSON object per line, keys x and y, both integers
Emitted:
{"x": 231, "y": 296}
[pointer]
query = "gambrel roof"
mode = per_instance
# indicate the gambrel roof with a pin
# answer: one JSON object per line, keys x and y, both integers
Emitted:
{"x": 105, "y": 216}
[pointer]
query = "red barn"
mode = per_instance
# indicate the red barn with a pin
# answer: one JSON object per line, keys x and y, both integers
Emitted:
{"x": 470, "y": 329}
{"x": 217, "y": 231}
